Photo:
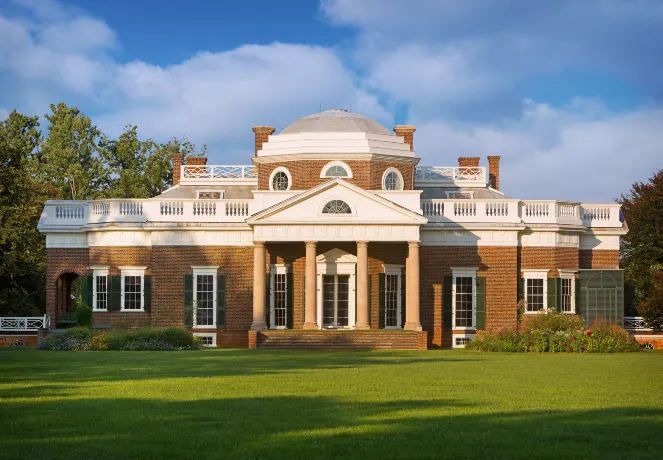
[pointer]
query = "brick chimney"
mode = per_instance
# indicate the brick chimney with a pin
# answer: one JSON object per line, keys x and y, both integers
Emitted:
{"x": 407, "y": 132}
{"x": 494, "y": 171}
{"x": 176, "y": 160}
{"x": 468, "y": 162}
{"x": 196, "y": 161}
{"x": 262, "y": 135}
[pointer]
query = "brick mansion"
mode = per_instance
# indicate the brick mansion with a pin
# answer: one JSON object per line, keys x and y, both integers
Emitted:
{"x": 334, "y": 237}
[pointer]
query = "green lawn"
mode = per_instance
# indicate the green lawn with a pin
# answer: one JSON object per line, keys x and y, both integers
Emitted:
{"x": 281, "y": 404}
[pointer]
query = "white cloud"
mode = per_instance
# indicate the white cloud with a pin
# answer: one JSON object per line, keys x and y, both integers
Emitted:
{"x": 580, "y": 152}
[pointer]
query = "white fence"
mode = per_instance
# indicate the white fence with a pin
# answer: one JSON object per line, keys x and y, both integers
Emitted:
{"x": 636, "y": 324}
{"x": 24, "y": 323}
{"x": 449, "y": 175}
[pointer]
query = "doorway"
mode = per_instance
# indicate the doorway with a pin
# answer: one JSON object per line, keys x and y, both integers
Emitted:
{"x": 335, "y": 301}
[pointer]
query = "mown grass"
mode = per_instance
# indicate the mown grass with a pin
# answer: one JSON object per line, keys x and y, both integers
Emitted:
{"x": 280, "y": 404}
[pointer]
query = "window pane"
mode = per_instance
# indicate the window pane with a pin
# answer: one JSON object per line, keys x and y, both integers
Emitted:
{"x": 204, "y": 300}
{"x": 463, "y": 304}
{"x": 566, "y": 297}
{"x": 391, "y": 300}
{"x": 280, "y": 181}
{"x": 336, "y": 207}
{"x": 279, "y": 296}
{"x": 336, "y": 171}
{"x": 392, "y": 181}
{"x": 534, "y": 294}
{"x": 328, "y": 310}
{"x": 102, "y": 292}
{"x": 132, "y": 292}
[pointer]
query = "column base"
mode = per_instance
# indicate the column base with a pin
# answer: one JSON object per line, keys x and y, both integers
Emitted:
{"x": 310, "y": 326}
{"x": 258, "y": 326}
{"x": 412, "y": 327}
{"x": 362, "y": 326}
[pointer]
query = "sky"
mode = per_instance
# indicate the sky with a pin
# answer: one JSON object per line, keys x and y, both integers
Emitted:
{"x": 569, "y": 93}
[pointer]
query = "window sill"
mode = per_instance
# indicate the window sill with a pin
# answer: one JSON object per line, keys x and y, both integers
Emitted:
{"x": 211, "y": 326}
{"x": 99, "y": 310}
{"x": 464, "y": 329}
{"x": 131, "y": 311}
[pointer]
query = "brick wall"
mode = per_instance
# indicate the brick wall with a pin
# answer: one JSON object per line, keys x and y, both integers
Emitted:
{"x": 497, "y": 264}
{"x": 599, "y": 259}
{"x": 62, "y": 260}
{"x": 306, "y": 174}
{"x": 552, "y": 258}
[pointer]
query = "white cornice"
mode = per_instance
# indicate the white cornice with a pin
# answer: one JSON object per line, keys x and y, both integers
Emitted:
{"x": 335, "y": 156}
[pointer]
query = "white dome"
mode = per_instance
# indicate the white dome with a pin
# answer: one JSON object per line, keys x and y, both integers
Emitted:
{"x": 336, "y": 121}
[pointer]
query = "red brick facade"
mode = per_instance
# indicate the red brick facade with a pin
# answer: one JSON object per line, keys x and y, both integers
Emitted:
{"x": 599, "y": 259}
{"x": 548, "y": 257}
{"x": 306, "y": 173}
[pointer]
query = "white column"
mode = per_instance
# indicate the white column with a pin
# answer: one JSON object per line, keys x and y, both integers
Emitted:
{"x": 412, "y": 321}
{"x": 311, "y": 287}
{"x": 259, "y": 254}
{"x": 362, "y": 286}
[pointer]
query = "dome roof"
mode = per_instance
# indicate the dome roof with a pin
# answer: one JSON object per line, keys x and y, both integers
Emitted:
{"x": 336, "y": 121}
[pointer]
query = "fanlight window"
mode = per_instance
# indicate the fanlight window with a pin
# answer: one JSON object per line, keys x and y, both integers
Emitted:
{"x": 336, "y": 207}
{"x": 392, "y": 181}
{"x": 336, "y": 171}
{"x": 280, "y": 181}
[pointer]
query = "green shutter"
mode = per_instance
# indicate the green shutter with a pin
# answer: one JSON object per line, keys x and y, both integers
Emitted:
{"x": 87, "y": 290}
{"x": 368, "y": 280}
{"x": 403, "y": 299}
{"x": 521, "y": 289}
{"x": 147, "y": 292}
{"x": 188, "y": 300}
{"x": 115, "y": 293}
{"x": 381, "y": 285}
{"x": 577, "y": 294}
{"x": 447, "y": 303}
{"x": 268, "y": 308}
{"x": 221, "y": 302}
{"x": 289, "y": 300}
{"x": 303, "y": 299}
{"x": 481, "y": 302}
{"x": 552, "y": 293}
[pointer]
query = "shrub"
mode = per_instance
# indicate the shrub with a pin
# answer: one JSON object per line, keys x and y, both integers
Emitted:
{"x": 151, "y": 338}
{"x": 604, "y": 337}
{"x": 62, "y": 342}
{"x": 83, "y": 316}
{"x": 553, "y": 321}
{"x": 98, "y": 342}
{"x": 504, "y": 340}
{"x": 79, "y": 333}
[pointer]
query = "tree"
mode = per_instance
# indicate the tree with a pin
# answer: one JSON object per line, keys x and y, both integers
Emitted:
{"x": 138, "y": 168}
{"x": 71, "y": 161}
{"x": 651, "y": 308}
{"x": 22, "y": 247}
{"x": 642, "y": 246}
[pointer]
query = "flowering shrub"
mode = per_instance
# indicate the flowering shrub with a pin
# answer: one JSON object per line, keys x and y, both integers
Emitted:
{"x": 558, "y": 336}
{"x": 98, "y": 342}
{"x": 157, "y": 339}
{"x": 554, "y": 321}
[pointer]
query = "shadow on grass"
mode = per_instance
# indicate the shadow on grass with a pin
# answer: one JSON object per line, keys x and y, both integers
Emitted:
{"x": 20, "y": 366}
{"x": 318, "y": 427}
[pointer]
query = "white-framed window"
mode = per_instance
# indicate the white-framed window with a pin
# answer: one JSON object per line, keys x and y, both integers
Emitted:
{"x": 460, "y": 195}
{"x": 280, "y": 180}
{"x": 336, "y": 169}
{"x": 392, "y": 296}
{"x": 133, "y": 288}
{"x": 210, "y": 194}
{"x": 336, "y": 207}
{"x": 207, "y": 339}
{"x": 204, "y": 296}
{"x": 536, "y": 290}
{"x": 100, "y": 289}
{"x": 278, "y": 302}
{"x": 464, "y": 294}
{"x": 460, "y": 340}
{"x": 392, "y": 179}
{"x": 567, "y": 291}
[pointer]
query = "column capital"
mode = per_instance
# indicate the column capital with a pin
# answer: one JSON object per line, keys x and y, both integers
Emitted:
{"x": 362, "y": 243}
{"x": 413, "y": 244}
{"x": 311, "y": 243}
{"x": 259, "y": 244}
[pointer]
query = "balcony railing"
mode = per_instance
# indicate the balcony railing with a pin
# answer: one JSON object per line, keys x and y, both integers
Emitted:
{"x": 449, "y": 175}
{"x": 24, "y": 323}
{"x": 550, "y": 212}
{"x": 601, "y": 215}
{"x": 447, "y": 210}
{"x": 636, "y": 324}
{"x": 222, "y": 173}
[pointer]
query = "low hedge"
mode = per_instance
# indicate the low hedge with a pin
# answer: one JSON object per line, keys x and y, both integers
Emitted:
{"x": 143, "y": 339}
{"x": 558, "y": 333}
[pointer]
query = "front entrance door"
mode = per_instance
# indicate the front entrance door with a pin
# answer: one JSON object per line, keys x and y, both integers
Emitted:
{"x": 335, "y": 301}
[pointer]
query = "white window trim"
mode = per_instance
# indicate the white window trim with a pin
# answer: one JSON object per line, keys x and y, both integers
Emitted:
{"x": 464, "y": 272}
{"x": 394, "y": 269}
{"x": 198, "y": 192}
{"x": 207, "y": 334}
{"x": 449, "y": 193}
{"x": 353, "y": 209}
{"x": 569, "y": 274}
{"x": 347, "y": 267}
{"x": 384, "y": 176}
{"x": 99, "y": 271}
{"x": 277, "y": 269}
{"x": 271, "y": 179}
{"x": 538, "y": 274}
{"x": 323, "y": 173}
{"x": 133, "y": 271}
{"x": 204, "y": 270}
{"x": 461, "y": 336}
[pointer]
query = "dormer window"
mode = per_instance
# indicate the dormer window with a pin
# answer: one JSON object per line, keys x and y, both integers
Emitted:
{"x": 336, "y": 207}
{"x": 392, "y": 179}
{"x": 460, "y": 195}
{"x": 336, "y": 169}
{"x": 210, "y": 195}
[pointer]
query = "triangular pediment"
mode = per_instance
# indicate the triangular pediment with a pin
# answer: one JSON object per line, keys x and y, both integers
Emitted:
{"x": 335, "y": 256}
{"x": 365, "y": 208}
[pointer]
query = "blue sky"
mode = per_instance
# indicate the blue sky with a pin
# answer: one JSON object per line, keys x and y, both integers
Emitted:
{"x": 568, "y": 92}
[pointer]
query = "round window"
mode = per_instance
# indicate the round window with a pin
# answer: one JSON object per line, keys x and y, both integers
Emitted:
{"x": 336, "y": 207}
{"x": 392, "y": 181}
{"x": 280, "y": 181}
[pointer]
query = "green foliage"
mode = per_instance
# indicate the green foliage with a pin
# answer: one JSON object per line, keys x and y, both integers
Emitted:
{"x": 145, "y": 339}
{"x": 642, "y": 246}
{"x": 554, "y": 321}
{"x": 79, "y": 333}
{"x": 83, "y": 316}
{"x": 651, "y": 308}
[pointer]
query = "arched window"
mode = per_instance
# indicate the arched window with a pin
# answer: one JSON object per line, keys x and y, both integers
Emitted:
{"x": 336, "y": 169}
{"x": 280, "y": 179}
{"x": 392, "y": 180}
{"x": 337, "y": 207}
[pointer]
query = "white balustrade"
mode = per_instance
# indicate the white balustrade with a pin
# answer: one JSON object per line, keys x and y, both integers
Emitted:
{"x": 550, "y": 212}
{"x": 101, "y": 208}
{"x": 448, "y": 210}
{"x": 24, "y": 323}
{"x": 237, "y": 208}
{"x": 204, "y": 208}
{"x": 601, "y": 215}
{"x": 70, "y": 211}
{"x": 636, "y": 324}
{"x": 171, "y": 208}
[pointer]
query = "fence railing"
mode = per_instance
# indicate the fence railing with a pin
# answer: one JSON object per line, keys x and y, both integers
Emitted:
{"x": 440, "y": 210}
{"x": 439, "y": 175}
{"x": 24, "y": 323}
{"x": 636, "y": 324}
{"x": 216, "y": 172}
{"x": 601, "y": 215}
